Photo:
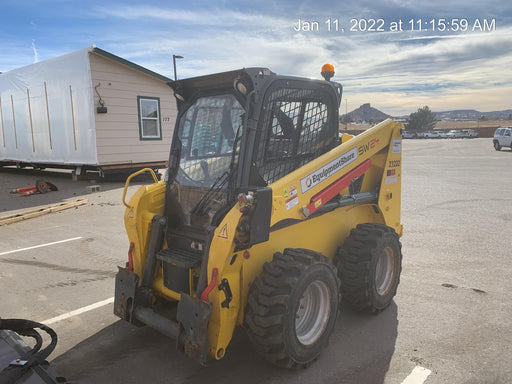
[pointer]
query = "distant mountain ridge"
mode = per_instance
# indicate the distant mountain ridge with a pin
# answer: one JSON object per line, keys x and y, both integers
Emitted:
{"x": 366, "y": 113}
{"x": 473, "y": 114}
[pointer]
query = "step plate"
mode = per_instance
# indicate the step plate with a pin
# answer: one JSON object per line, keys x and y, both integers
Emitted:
{"x": 177, "y": 268}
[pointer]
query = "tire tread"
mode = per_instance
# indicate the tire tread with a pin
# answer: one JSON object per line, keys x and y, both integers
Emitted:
{"x": 266, "y": 304}
{"x": 354, "y": 263}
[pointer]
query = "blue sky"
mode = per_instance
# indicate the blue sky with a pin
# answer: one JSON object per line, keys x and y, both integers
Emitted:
{"x": 397, "y": 70}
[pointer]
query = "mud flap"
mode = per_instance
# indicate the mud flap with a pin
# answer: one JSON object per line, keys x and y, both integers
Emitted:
{"x": 193, "y": 317}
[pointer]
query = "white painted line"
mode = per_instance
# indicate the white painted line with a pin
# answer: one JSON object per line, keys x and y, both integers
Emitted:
{"x": 41, "y": 245}
{"x": 78, "y": 311}
{"x": 417, "y": 376}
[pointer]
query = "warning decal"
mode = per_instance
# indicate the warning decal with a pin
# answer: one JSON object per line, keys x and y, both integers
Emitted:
{"x": 293, "y": 191}
{"x": 291, "y": 202}
{"x": 224, "y": 232}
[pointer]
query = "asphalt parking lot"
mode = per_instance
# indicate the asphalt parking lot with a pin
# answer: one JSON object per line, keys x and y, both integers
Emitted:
{"x": 450, "y": 318}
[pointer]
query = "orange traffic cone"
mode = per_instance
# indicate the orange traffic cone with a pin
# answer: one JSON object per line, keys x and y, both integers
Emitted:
{"x": 41, "y": 187}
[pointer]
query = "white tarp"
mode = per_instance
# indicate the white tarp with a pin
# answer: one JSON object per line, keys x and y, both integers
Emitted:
{"x": 47, "y": 112}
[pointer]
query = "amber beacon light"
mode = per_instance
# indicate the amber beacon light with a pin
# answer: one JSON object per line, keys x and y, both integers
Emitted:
{"x": 327, "y": 71}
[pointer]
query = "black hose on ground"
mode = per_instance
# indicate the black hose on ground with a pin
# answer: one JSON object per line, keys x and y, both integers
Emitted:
{"x": 31, "y": 358}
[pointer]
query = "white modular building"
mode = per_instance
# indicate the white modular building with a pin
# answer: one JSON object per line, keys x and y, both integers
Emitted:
{"x": 88, "y": 110}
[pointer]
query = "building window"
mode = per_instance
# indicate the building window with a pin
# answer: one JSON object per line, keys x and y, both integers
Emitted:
{"x": 149, "y": 118}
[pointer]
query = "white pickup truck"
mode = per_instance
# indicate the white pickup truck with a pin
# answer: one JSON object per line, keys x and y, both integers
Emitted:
{"x": 432, "y": 135}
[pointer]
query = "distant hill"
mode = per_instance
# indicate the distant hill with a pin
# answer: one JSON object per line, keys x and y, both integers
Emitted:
{"x": 365, "y": 113}
{"x": 472, "y": 114}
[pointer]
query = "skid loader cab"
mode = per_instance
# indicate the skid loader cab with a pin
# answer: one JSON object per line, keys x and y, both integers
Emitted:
{"x": 242, "y": 130}
{"x": 256, "y": 220}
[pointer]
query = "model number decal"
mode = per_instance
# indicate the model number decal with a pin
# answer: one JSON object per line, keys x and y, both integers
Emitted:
{"x": 394, "y": 163}
{"x": 369, "y": 145}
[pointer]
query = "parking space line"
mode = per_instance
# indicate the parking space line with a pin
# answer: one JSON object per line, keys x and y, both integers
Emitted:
{"x": 417, "y": 376}
{"x": 78, "y": 311}
{"x": 40, "y": 245}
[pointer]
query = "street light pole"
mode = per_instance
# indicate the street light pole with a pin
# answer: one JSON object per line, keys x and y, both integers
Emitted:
{"x": 174, "y": 57}
{"x": 346, "y": 114}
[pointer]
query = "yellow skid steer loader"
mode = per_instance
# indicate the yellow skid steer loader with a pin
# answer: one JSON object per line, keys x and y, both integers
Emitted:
{"x": 266, "y": 219}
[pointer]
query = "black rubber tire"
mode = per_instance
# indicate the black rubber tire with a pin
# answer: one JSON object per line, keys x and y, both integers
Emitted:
{"x": 274, "y": 303}
{"x": 369, "y": 249}
{"x": 497, "y": 145}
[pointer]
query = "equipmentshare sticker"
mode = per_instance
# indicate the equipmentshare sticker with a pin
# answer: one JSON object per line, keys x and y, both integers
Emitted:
{"x": 322, "y": 173}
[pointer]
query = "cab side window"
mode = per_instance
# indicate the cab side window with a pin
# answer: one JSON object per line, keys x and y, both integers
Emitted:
{"x": 297, "y": 126}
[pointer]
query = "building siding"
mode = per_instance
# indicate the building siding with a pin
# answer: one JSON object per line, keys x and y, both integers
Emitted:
{"x": 117, "y": 131}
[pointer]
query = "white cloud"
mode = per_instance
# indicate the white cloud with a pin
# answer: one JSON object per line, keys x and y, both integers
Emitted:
{"x": 216, "y": 17}
{"x": 389, "y": 70}
{"x": 395, "y": 71}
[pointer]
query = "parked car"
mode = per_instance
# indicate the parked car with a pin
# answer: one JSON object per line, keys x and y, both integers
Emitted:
{"x": 469, "y": 133}
{"x": 408, "y": 135}
{"x": 442, "y": 134}
{"x": 502, "y": 138}
{"x": 431, "y": 135}
{"x": 454, "y": 134}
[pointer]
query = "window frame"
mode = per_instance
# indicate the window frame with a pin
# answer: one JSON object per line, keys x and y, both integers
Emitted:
{"x": 141, "y": 118}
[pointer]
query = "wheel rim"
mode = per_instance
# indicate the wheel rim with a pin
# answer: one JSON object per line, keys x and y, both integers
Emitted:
{"x": 313, "y": 313}
{"x": 385, "y": 271}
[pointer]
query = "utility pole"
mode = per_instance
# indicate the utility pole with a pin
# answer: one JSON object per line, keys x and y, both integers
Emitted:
{"x": 346, "y": 114}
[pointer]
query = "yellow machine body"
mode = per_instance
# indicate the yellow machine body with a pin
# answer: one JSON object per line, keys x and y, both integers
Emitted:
{"x": 291, "y": 222}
